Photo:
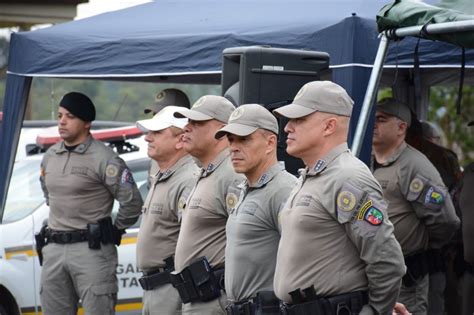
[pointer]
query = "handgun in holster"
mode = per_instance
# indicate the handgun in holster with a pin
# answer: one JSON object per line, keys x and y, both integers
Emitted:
{"x": 41, "y": 242}
{"x": 206, "y": 283}
{"x": 183, "y": 283}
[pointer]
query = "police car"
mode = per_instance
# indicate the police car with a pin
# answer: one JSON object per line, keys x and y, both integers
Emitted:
{"x": 26, "y": 211}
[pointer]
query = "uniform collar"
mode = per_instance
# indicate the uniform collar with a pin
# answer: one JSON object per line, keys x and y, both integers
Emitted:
{"x": 321, "y": 164}
{"x": 395, "y": 154}
{"x": 215, "y": 163}
{"x": 81, "y": 148}
{"x": 163, "y": 175}
{"x": 267, "y": 176}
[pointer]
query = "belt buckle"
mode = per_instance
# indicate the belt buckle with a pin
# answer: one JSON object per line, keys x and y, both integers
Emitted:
{"x": 65, "y": 237}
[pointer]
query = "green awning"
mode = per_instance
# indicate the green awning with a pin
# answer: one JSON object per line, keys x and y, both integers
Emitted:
{"x": 405, "y": 13}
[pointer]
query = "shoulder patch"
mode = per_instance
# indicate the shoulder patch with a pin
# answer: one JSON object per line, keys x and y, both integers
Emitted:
{"x": 346, "y": 201}
{"x": 127, "y": 177}
{"x": 181, "y": 203}
{"x": 416, "y": 185}
{"x": 433, "y": 197}
{"x": 111, "y": 170}
{"x": 231, "y": 200}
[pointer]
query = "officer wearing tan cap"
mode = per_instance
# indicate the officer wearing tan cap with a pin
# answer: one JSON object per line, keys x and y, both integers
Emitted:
{"x": 252, "y": 229}
{"x": 159, "y": 229}
{"x": 199, "y": 258}
{"x": 80, "y": 178}
{"x": 165, "y": 98}
{"x": 337, "y": 252}
{"x": 418, "y": 202}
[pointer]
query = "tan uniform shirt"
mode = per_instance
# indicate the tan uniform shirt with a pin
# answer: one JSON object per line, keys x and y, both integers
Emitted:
{"x": 80, "y": 186}
{"x": 253, "y": 234}
{"x": 204, "y": 218}
{"x": 418, "y": 203}
{"x": 336, "y": 235}
{"x": 162, "y": 210}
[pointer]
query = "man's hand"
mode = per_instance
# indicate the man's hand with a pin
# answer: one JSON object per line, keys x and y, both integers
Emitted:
{"x": 400, "y": 309}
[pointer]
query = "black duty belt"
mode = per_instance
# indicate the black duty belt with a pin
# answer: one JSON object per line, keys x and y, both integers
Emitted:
{"x": 66, "y": 237}
{"x": 265, "y": 303}
{"x": 342, "y": 304}
{"x": 154, "y": 279}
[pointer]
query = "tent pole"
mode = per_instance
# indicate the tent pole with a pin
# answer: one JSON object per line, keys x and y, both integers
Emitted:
{"x": 439, "y": 28}
{"x": 370, "y": 95}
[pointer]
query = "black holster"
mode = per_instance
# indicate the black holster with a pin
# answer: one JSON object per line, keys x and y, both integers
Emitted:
{"x": 152, "y": 280}
{"x": 265, "y": 303}
{"x": 198, "y": 282}
{"x": 417, "y": 268}
{"x": 105, "y": 232}
{"x": 41, "y": 241}
{"x": 341, "y": 304}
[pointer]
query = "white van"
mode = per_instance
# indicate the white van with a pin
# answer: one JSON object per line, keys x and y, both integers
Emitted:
{"x": 24, "y": 215}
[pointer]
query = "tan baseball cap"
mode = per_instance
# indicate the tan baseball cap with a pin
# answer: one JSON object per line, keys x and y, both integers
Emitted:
{"x": 208, "y": 107}
{"x": 162, "y": 120}
{"x": 318, "y": 96}
{"x": 168, "y": 97}
{"x": 395, "y": 108}
{"x": 246, "y": 119}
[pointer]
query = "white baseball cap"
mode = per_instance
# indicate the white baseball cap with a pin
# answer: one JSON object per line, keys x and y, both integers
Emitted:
{"x": 163, "y": 119}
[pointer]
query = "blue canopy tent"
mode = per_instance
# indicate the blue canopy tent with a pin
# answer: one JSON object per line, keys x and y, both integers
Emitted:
{"x": 182, "y": 41}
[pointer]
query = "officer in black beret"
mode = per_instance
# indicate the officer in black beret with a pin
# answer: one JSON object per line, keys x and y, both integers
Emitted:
{"x": 80, "y": 178}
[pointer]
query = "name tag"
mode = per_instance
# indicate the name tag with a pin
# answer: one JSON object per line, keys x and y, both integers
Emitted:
{"x": 79, "y": 170}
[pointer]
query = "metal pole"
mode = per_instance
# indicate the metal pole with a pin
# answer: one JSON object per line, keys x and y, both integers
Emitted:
{"x": 370, "y": 95}
{"x": 439, "y": 28}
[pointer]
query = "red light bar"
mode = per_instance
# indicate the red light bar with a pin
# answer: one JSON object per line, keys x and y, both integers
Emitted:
{"x": 51, "y": 136}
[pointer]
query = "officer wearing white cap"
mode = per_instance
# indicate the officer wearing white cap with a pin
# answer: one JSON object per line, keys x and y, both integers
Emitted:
{"x": 166, "y": 97}
{"x": 162, "y": 210}
{"x": 80, "y": 178}
{"x": 337, "y": 253}
{"x": 199, "y": 258}
{"x": 252, "y": 230}
{"x": 418, "y": 201}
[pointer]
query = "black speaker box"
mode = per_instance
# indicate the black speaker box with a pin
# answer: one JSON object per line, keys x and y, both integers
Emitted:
{"x": 271, "y": 77}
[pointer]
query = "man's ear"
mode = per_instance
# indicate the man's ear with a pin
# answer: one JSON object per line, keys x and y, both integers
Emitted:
{"x": 180, "y": 144}
{"x": 331, "y": 125}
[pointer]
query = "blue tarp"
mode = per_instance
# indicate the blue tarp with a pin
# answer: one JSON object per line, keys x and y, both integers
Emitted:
{"x": 183, "y": 40}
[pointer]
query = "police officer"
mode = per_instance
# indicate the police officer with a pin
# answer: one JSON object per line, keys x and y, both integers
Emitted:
{"x": 337, "y": 253}
{"x": 80, "y": 178}
{"x": 165, "y": 98}
{"x": 252, "y": 229}
{"x": 466, "y": 205}
{"x": 162, "y": 210}
{"x": 419, "y": 204}
{"x": 200, "y": 249}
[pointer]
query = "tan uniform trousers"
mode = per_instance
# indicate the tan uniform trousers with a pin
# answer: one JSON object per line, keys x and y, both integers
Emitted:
{"x": 214, "y": 307}
{"x": 72, "y": 272}
{"x": 415, "y": 297}
{"x": 163, "y": 300}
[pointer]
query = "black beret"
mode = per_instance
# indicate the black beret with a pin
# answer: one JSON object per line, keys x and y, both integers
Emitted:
{"x": 79, "y": 105}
